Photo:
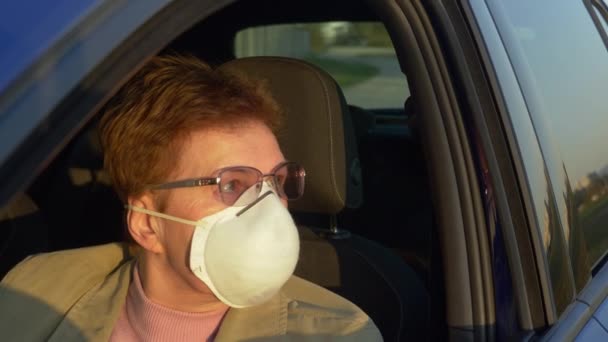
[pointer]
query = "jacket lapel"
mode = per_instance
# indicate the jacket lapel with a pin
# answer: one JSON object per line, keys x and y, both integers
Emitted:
{"x": 264, "y": 320}
{"x": 92, "y": 318}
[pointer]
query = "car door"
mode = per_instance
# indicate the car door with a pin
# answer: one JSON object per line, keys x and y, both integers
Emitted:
{"x": 549, "y": 65}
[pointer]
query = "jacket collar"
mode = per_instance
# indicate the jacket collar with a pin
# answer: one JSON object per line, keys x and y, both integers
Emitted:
{"x": 94, "y": 315}
{"x": 264, "y": 320}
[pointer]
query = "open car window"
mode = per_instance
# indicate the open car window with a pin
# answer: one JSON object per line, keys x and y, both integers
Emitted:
{"x": 359, "y": 55}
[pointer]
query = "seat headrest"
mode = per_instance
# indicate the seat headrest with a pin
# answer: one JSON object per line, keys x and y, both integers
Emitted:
{"x": 316, "y": 126}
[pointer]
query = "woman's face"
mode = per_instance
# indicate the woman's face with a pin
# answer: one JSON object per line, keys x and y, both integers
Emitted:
{"x": 202, "y": 154}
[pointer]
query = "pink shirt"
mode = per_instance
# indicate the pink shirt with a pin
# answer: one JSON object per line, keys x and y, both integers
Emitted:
{"x": 143, "y": 320}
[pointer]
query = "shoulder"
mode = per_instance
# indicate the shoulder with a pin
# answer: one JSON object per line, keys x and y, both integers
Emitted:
{"x": 36, "y": 294}
{"x": 59, "y": 275}
{"x": 313, "y": 308}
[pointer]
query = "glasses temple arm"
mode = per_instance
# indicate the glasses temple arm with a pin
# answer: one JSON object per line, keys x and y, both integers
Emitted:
{"x": 187, "y": 183}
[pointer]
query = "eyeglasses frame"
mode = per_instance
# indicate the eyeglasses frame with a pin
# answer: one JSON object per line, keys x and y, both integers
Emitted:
{"x": 204, "y": 181}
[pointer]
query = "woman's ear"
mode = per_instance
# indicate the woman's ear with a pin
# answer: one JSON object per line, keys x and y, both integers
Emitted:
{"x": 144, "y": 228}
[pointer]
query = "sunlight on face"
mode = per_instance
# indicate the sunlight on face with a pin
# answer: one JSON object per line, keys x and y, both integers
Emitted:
{"x": 202, "y": 154}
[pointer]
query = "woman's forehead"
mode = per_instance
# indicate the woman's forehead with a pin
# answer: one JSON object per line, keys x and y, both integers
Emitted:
{"x": 206, "y": 151}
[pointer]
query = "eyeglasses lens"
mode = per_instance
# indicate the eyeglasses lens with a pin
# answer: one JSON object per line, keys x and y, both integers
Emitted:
{"x": 241, "y": 186}
{"x": 290, "y": 180}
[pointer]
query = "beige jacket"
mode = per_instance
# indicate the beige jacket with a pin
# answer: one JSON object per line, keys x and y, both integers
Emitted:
{"x": 77, "y": 295}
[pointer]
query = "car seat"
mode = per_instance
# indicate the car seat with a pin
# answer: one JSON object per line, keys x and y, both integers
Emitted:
{"x": 399, "y": 182}
{"x": 320, "y": 136}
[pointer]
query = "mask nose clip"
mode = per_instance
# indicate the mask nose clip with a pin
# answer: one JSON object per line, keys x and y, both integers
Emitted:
{"x": 258, "y": 200}
{"x": 270, "y": 182}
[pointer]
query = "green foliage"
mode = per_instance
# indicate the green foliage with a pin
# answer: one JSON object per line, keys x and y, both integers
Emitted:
{"x": 374, "y": 34}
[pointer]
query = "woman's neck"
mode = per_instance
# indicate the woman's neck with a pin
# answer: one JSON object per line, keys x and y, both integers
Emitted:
{"x": 144, "y": 320}
{"x": 164, "y": 285}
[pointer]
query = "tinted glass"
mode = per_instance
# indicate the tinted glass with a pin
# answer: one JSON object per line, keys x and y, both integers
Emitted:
{"x": 564, "y": 72}
{"x": 360, "y": 56}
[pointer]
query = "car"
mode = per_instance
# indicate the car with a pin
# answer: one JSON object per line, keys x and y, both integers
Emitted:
{"x": 474, "y": 146}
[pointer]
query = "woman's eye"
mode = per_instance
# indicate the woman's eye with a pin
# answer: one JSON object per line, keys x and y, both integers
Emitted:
{"x": 230, "y": 186}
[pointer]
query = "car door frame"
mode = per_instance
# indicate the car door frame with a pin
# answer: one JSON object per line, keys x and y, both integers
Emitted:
{"x": 452, "y": 160}
{"x": 59, "y": 93}
{"x": 580, "y": 315}
{"x": 517, "y": 289}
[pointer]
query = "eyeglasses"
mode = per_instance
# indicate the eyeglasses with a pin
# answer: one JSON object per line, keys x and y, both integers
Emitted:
{"x": 241, "y": 185}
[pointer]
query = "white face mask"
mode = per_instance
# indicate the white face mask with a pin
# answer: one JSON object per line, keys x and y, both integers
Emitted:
{"x": 243, "y": 254}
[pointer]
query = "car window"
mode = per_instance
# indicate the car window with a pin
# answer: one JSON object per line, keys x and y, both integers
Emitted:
{"x": 29, "y": 27}
{"x": 566, "y": 62}
{"x": 602, "y": 18}
{"x": 360, "y": 56}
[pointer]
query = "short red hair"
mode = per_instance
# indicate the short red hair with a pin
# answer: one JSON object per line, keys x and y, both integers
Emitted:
{"x": 171, "y": 96}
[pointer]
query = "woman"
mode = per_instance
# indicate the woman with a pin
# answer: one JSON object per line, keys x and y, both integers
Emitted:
{"x": 192, "y": 153}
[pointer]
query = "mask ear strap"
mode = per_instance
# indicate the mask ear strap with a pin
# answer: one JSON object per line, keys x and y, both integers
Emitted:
{"x": 161, "y": 215}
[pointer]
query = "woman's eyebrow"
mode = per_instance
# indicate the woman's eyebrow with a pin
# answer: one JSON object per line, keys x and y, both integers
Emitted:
{"x": 279, "y": 163}
{"x": 274, "y": 168}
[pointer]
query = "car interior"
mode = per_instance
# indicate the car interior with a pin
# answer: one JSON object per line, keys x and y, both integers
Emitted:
{"x": 366, "y": 220}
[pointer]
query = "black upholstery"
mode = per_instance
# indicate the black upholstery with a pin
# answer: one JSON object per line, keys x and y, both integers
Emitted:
{"x": 22, "y": 232}
{"x": 77, "y": 199}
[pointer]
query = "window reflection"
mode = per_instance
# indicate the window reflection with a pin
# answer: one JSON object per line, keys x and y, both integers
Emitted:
{"x": 591, "y": 210}
{"x": 566, "y": 63}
